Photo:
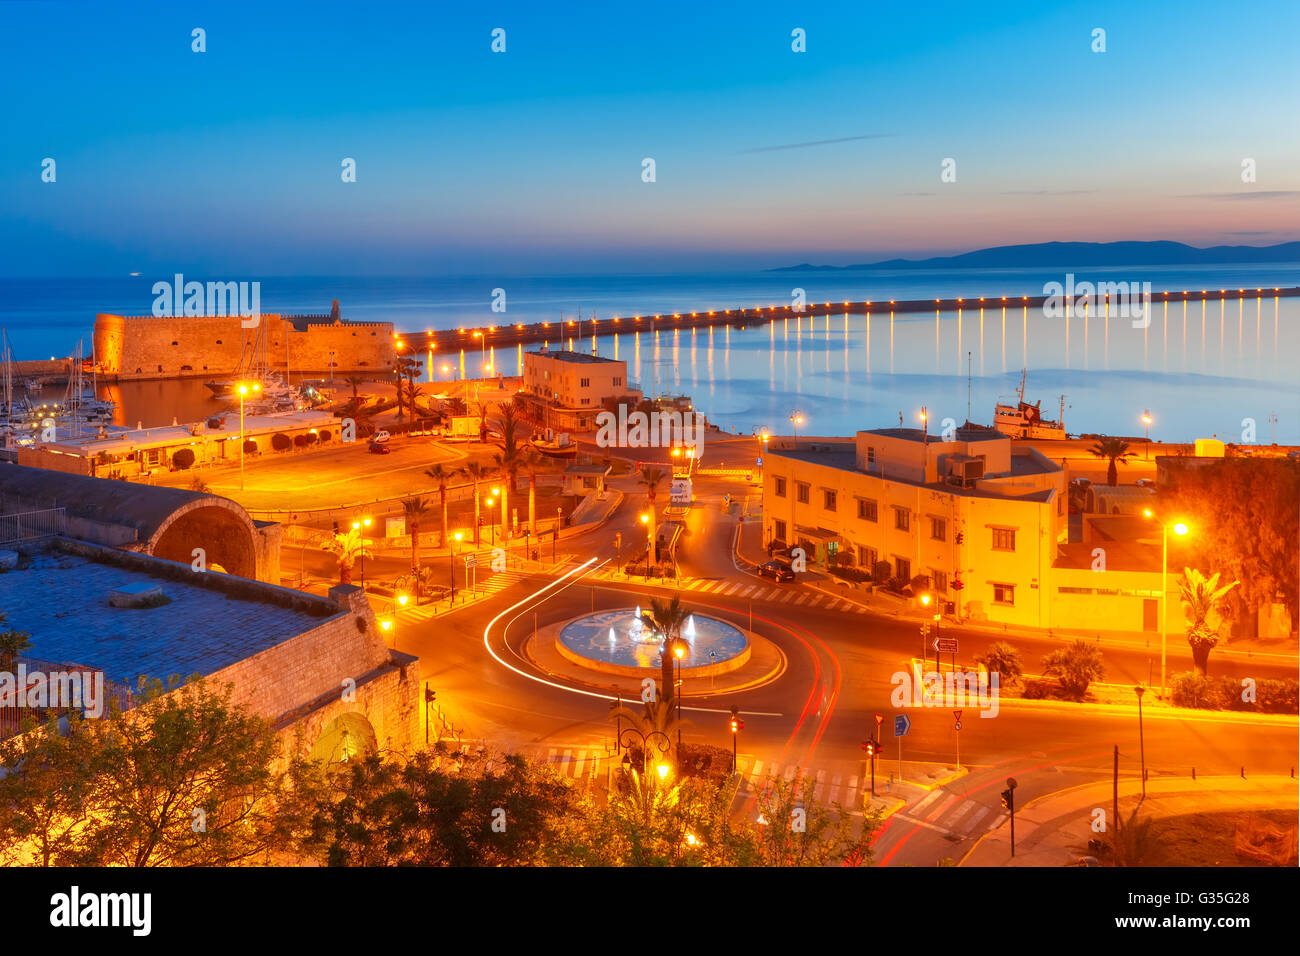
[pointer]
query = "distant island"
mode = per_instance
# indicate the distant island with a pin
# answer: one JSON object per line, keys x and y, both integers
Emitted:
{"x": 1077, "y": 254}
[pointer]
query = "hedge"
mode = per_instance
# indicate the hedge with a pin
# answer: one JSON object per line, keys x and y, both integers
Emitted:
{"x": 1190, "y": 689}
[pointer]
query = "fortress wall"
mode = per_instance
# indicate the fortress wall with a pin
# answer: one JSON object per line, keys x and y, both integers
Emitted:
{"x": 147, "y": 347}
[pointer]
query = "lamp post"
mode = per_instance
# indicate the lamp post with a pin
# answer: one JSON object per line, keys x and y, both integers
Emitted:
{"x": 632, "y": 732}
{"x": 645, "y": 520}
{"x": 679, "y": 652}
{"x": 1146, "y": 425}
{"x": 796, "y": 419}
{"x": 1142, "y": 747}
{"x": 357, "y": 526}
{"x": 243, "y": 390}
{"x": 451, "y": 564}
{"x": 491, "y": 503}
{"x": 1180, "y": 529}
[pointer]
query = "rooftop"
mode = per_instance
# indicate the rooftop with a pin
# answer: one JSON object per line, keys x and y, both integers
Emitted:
{"x": 577, "y": 358}
{"x": 61, "y": 600}
{"x": 919, "y": 435}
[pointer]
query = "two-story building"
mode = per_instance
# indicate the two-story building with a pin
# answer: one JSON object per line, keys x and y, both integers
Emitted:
{"x": 566, "y": 390}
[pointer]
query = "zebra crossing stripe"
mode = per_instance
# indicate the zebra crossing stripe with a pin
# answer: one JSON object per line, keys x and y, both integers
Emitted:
{"x": 964, "y": 809}
{"x": 934, "y": 795}
{"x": 974, "y": 819}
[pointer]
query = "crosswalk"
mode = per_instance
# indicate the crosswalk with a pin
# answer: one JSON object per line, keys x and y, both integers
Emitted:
{"x": 487, "y": 587}
{"x": 722, "y": 587}
{"x": 952, "y": 814}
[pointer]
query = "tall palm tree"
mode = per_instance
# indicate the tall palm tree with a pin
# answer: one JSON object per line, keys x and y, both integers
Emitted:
{"x": 656, "y": 718}
{"x": 476, "y": 473}
{"x": 1203, "y": 601}
{"x": 1114, "y": 449}
{"x": 441, "y": 475}
{"x": 530, "y": 458}
{"x": 347, "y": 546}
{"x": 650, "y": 479}
{"x": 510, "y": 426}
{"x": 356, "y": 381}
{"x": 667, "y": 620}
{"x": 414, "y": 508}
{"x": 507, "y": 463}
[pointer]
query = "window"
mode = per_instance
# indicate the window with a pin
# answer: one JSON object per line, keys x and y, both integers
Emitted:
{"x": 867, "y": 510}
{"x": 940, "y": 580}
{"x": 902, "y": 519}
{"x": 1004, "y": 594}
{"x": 801, "y": 492}
{"x": 778, "y": 486}
{"x": 1004, "y": 539}
{"x": 871, "y": 457}
{"x": 867, "y": 559}
{"x": 903, "y": 568}
{"x": 828, "y": 499}
{"x": 778, "y": 530}
{"x": 584, "y": 383}
{"x": 617, "y": 382}
{"x": 938, "y": 529}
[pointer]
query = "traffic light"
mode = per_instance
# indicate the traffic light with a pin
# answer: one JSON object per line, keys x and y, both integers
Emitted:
{"x": 925, "y": 629}
{"x": 1008, "y": 800}
{"x": 960, "y": 537}
{"x": 737, "y": 724}
{"x": 871, "y": 747}
{"x": 430, "y": 695}
{"x": 958, "y": 584}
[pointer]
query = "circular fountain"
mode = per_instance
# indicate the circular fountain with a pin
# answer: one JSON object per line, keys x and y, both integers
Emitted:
{"x": 619, "y": 642}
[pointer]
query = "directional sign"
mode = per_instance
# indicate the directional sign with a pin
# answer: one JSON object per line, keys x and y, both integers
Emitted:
{"x": 760, "y": 463}
{"x": 902, "y": 724}
{"x": 471, "y": 561}
{"x": 945, "y": 645}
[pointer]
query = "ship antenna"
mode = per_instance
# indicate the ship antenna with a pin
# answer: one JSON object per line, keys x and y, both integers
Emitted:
{"x": 968, "y": 386}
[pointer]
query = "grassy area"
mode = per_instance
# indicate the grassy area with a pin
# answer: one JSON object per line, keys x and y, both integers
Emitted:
{"x": 1210, "y": 839}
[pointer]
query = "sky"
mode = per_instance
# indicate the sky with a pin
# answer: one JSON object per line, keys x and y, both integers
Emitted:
{"x": 228, "y": 162}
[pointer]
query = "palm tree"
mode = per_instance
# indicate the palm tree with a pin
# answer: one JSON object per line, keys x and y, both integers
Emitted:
{"x": 529, "y": 459}
{"x": 413, "y": 391}
{"x": 347, "y": 546}
{"x": 510, "y": 425}
{"x": 1002, "y": 659}
{"x": 476, "y": 473}
{"x": 658, "y": 717}
{"x": 356, "y": 381}
{"x": 1115, "y": 449}
{"x": 414, "y": 507}
{"x": 441, "y": 475}
{"x": 667, "y": 620}
{"x": 651, "y": 477}
{"x": 1203, "y": 601}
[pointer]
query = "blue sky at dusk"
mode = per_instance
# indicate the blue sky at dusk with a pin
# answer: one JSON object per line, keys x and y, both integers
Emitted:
{"x": 228, "y": 162}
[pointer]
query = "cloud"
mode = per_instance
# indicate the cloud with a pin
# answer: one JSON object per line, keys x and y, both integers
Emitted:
{"x": 1260, "y": 194}
{"x": 816, "y": 142}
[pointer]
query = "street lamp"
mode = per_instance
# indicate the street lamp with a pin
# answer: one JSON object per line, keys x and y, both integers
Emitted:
{"x": 796, "y": 419}
{"x": 1146, "y": 424}
{"x": 451, "y": 564}
{"x": 679, "y": 652}
{"x": 243, "y": 390}
{"x": 645, "y": 520}
{"x": 1140, "y": 690}
{"x": 1180, "y": 529}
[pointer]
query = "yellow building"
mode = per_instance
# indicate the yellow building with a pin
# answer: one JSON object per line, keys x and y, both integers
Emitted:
{"x": 982, "y": 521}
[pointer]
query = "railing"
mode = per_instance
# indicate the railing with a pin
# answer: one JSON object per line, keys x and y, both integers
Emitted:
{"x": 32, "y": 525}
{"x": 47, "y": 681}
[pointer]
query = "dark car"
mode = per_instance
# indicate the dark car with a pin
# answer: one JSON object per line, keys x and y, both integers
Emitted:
{"x": 378, "y": 449}
{"x": 776, "y": 571}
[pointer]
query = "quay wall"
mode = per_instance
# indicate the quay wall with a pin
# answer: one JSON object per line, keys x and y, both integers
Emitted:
{"x": 148, "y": 347}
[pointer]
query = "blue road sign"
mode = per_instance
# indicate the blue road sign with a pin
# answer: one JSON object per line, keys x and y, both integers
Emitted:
{"x": 902, "y": 724}
{"x": 760, "y": 463}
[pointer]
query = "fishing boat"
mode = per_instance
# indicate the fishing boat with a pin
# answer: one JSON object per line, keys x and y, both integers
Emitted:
{"x": 1023, "y": 420}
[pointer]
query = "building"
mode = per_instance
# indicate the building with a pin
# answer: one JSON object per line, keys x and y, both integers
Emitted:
{"x": 980, "y": 520}
{"x": 566, "y": 390}
{"x": 289, "y": 656}
{"x": 147, "y": 347}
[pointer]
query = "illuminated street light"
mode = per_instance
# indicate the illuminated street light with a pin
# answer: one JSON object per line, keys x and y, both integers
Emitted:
{"x": 243, "y": 390}
{"x": 1180, "y": 528}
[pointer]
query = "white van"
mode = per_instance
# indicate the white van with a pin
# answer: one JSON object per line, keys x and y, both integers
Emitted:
{"x": 380, "y": 437}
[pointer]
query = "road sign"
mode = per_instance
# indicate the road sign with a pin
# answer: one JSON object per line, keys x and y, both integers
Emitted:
{"x": 957, "y": 725}
{"x": 945, "y": 645}
{"x": 902, "y": 724}
{"x": 760, "y": 463}
{"x": 956, "y": 715}
{"x": 471, "y": 561}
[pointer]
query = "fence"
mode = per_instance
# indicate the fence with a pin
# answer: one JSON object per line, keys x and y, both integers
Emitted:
{"x": 32, "y": 525}
{"x": 44, "y": 685}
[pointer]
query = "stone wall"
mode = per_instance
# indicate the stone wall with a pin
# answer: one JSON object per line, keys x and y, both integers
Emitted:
{"x": 145, "y": 347}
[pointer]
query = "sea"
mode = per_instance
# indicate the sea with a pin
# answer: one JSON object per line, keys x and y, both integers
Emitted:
{"x": 1199, "y": 369}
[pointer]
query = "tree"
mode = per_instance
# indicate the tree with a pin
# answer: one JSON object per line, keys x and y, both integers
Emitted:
{"x": 1244, "y": 515}
{"x": 12, "y": 644}
{"x": 356, "y": 381}
{"x": 530, "y": 458}
{"x": 414, "y": 508}
{"x": 510, "y": 425}
{"x": 476, "y": 473}
{"x": 655, "y": 720}
{"x": 650, "y": 479}
{"x": 667, "y": 620}
{"x": 508, "y": 463}
{"x": 441, "y": 475}
{"x": 347, "y": 546}
{"x": 1075, "y": 666}
{"x": 45, "y": 795}
{"x": 1002, "y": 659}
{"x": 1113, "y": 449}
{"x": 1203, "y": 601}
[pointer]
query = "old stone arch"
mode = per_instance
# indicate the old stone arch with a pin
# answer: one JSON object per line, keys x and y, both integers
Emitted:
{"x": 225, "y": 534}
{"x": 345, "y": 739}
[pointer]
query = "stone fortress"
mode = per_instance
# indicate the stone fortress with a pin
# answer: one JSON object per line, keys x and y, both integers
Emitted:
{"x": 148, "y": 347}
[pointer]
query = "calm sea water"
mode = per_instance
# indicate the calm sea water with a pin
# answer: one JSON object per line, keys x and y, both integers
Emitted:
{"x": 1199, "y": 371}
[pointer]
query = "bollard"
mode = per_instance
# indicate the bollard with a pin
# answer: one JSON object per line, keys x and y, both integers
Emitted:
{"x": 1193, "y": 773}
{"x": 1243, "y": 773}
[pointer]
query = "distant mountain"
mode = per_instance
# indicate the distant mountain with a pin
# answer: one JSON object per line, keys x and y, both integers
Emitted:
{"x": 1079, "y": 254}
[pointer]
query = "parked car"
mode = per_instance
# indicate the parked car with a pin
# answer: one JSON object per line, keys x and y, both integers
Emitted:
{"x": 776, "y": 570}
{"x": 380, "y": 437}
{"x": 378, "y": 449}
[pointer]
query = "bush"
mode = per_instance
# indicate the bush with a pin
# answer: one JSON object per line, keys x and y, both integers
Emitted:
{"x": 849, "y": 574}
{"x": 1190, "y": 689}
{"x": 882, "y": 572}
{"x": 1002, "y": 659}
{"x": 1277, "y": 696}
{"x": 250, "y": 446}
{"x": 1075, "y": 666}
{"x": 281, "y": 442}
{"x": 183, "y": 459}
{"x": 1038, "y": 690}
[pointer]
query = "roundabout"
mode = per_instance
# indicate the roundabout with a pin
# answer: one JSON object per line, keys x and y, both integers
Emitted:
{"x": 618, "y": 642}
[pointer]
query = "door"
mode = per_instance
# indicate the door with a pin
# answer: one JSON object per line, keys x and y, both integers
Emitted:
{"x": 1150, "y": 614}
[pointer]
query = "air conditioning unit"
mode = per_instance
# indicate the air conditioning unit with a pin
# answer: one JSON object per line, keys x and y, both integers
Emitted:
{"x": 964, "y": 469}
